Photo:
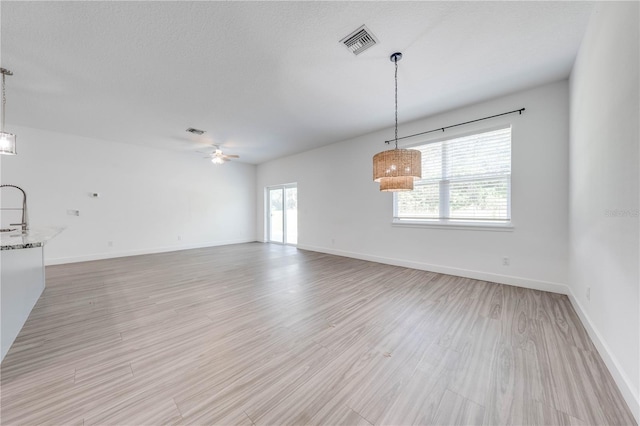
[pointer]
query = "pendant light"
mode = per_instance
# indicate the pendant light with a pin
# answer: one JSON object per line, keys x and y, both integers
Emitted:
{"x": 396, "y": 169}
{"x": 7, "y": 140}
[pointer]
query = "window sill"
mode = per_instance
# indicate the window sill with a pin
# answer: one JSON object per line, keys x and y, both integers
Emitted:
{"x": 468, "y": 226}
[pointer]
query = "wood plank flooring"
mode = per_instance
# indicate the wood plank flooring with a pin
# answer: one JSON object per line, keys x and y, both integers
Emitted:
{"x": 266, "y": 334}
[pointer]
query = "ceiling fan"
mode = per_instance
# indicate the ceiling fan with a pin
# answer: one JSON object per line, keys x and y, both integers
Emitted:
{"x": 218, "y": 157}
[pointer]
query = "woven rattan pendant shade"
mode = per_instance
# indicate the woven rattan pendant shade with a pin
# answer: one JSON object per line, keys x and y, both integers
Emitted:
{"x": 396, "y": 184}
{"x": 396, "y": 169}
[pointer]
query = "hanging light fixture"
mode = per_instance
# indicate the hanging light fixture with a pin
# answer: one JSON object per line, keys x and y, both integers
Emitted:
{"x": 396, "y": 169}
{"x": 7, "y": 140}
{"x": 217, "y": 157}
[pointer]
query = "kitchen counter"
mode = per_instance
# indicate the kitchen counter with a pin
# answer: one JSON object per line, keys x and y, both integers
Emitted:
{"x": 36, "y": 237}
{"x": 22, "y": 279}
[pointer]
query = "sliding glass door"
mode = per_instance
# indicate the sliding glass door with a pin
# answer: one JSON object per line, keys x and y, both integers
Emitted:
{"x": 276, "y": 215}
{"x": 282, "y": 214}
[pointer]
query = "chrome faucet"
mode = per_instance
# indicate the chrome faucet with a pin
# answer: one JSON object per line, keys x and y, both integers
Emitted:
{"x": 24, "y": 208}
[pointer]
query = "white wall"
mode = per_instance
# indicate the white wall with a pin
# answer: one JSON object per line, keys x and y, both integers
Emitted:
{"x": 604, "y": 163}
{"x": 341, "y": 210}
{"x": 148, "y": 198}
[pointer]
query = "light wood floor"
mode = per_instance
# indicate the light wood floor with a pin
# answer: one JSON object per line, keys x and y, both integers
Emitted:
{"x": 265, "y": 334}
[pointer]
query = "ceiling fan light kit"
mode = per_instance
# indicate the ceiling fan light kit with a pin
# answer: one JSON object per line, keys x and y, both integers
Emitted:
{"x": 396, "y": 169}
{"x": 218, "y": 157}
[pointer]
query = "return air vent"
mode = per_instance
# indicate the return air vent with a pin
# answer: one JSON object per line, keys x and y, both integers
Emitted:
{"x": 195, "y": 131}
{"x": 359, "y": 40}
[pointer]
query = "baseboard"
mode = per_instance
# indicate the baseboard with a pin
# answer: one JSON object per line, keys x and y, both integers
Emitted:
{"x": 467, "y": 273}
{"x": 113, "y": 255}
{"x": 630, "y": 395}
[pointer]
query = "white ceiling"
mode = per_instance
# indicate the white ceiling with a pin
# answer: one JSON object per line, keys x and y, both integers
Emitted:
{"x": 267, "y": 79}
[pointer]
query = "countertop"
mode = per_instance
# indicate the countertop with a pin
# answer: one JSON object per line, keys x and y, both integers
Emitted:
{"x": 36, "y": 237}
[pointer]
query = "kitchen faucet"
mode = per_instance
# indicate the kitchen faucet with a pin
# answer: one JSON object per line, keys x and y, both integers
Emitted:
{"x": 24, "y": 208}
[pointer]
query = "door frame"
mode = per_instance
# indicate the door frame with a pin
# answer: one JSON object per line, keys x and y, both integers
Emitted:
{"x": 267, "y": 190}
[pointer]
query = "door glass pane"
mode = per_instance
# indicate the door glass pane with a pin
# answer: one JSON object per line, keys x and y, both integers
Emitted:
{"x": 276, "y": 226}
{"x": 292, "y": 215}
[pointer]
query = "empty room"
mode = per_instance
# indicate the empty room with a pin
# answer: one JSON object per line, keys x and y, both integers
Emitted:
{"x": 320, "y": 213}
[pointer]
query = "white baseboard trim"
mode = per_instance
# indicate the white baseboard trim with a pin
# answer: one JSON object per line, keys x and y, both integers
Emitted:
{"x": 113, "y": 255}
{"x": 630, "y": 395}
{"x": 467, "y": 273}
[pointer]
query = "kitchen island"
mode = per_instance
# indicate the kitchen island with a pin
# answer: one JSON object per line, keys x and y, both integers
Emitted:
{"x": 22, "y": 279}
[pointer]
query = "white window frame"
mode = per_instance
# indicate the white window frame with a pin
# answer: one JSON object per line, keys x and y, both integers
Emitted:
{"x": 447, "y": 223}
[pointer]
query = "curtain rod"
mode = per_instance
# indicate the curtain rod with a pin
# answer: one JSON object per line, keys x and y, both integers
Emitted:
{"x": 519, "y": 111}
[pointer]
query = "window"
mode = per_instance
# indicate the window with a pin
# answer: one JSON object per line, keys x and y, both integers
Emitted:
{"x": 465, "y": 181}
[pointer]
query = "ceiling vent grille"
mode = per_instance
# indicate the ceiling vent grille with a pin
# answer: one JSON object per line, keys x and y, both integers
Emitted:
{"x": 195, "y": 131}
{"x": 359, "y": 40}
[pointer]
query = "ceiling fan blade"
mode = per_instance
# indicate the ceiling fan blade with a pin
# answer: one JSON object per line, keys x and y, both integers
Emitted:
{"x": 232, "y": 156}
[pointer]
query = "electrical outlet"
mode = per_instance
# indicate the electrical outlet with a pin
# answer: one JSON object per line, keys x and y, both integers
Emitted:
{"x": 110, "y": 243}
{"x": 333, "y": 241}
{"x": 71, "y": 212}
{"x": 506, "y": 261}
{"x": 179, "y": 237}
{"x": 588, "y": 294}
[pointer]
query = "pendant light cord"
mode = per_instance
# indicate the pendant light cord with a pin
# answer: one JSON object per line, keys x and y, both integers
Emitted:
{"x": 396, "y": 78}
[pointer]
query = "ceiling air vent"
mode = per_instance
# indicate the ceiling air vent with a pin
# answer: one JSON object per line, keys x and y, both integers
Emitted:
{"x": 195, "y": 131}
{"x": 359, "y": 40}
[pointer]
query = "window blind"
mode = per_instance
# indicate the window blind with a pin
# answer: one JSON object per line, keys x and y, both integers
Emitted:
{"x": 463, "y": 179}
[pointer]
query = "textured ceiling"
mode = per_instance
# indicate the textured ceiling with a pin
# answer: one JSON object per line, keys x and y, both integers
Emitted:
{"x": 267, "y": 79}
